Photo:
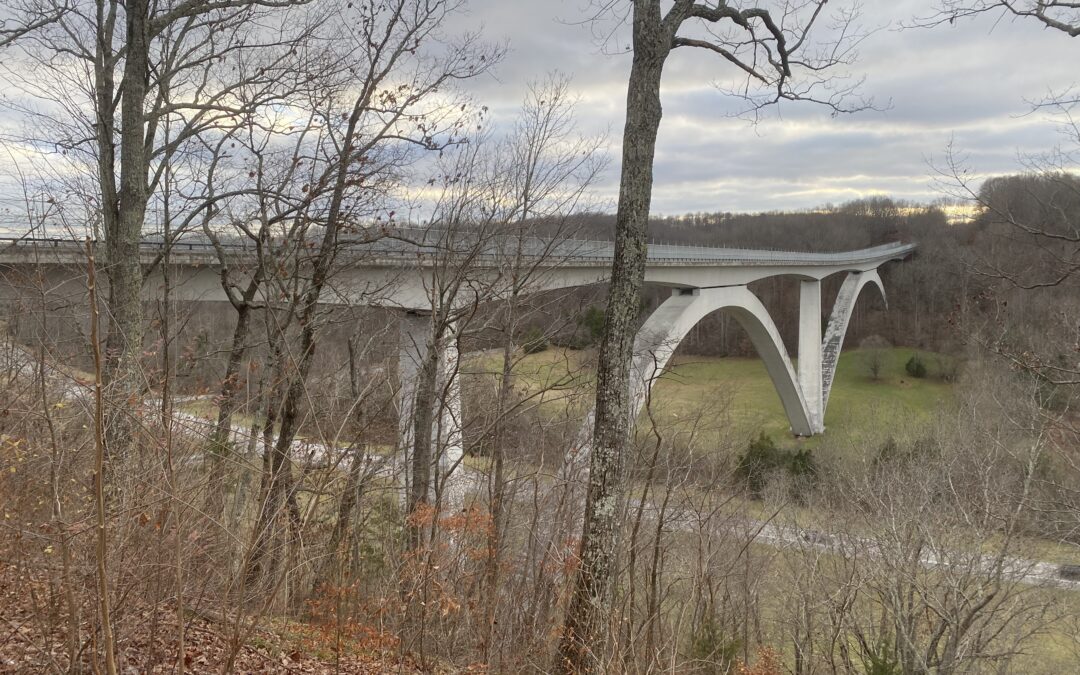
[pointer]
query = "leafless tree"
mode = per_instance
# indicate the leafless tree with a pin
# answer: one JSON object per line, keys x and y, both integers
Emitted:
{"x": 769, "y": 46}
{"x": 365, "y": 133}
{"x": 542, "y": 175}
{"x": 941, "y": 524}
{"x": 131, "y": 89}
{"x": 1030, "y": 244}
{"x": 482, "y": 259}
{"x": 27, "y": 17}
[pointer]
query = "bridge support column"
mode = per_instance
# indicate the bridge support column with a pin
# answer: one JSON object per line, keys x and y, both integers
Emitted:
{"x": 448, "y": 426}
{"x": 414, "y": 344}
{"x": 810, "y": 352}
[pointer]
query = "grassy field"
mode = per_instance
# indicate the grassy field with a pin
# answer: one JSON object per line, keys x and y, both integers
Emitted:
{"x": 734, "y": 396}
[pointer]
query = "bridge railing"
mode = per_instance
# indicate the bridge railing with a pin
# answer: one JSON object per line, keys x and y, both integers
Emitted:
{"x": 566, "y": 251}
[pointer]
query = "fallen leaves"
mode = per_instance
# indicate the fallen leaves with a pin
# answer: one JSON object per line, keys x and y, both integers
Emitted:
{"x": 34, "y": 639}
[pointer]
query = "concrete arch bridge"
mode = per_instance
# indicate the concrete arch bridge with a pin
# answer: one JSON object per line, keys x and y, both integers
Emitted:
{"x": 400, "y": 272}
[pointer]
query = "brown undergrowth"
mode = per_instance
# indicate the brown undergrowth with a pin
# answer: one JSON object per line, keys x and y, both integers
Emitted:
{"x": 33, "y": 643}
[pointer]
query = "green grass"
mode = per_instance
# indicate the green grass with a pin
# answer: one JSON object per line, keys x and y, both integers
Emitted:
{"x": 859, "y": 406}
{"x": 736, "y": 398}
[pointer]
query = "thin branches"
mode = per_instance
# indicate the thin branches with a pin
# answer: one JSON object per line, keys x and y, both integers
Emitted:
{"x": 1058, "y": 15}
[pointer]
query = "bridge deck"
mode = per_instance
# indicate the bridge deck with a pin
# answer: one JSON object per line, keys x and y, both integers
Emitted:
{"x": 403, "y": 247}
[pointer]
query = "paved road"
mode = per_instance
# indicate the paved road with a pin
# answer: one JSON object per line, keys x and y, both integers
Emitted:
{"x": 1034, "y": 572}
{"x": 304, "y": 451}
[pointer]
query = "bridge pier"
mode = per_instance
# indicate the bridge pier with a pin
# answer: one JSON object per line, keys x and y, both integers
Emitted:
{"x": 415, "y": 341}
{"x": 810, "y": 352}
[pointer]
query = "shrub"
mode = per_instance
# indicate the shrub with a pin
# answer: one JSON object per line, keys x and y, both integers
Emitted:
{"x": 915, "y": 367}
{"x": 762, "y": 459}
{"x": 712, "y": 650}
{"x": 593, "y": 323}
{"x": 801, "y": 465}
{"x": 880, "y": 659}
{"x": 874, "y": 361}
{"x": 892, "y": 456}
{"x": 534, "y": 341}
{"x": 888, "y": 453}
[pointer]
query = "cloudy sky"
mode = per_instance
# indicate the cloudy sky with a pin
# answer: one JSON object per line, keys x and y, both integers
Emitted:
{"x": 967, "y": 83}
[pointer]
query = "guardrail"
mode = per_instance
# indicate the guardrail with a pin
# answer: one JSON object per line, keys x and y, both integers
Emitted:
{"x": 566, "y": 251}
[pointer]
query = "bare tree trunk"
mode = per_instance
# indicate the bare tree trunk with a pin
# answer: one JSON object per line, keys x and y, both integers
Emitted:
{"x": 582, "y": 645}
{"x": 424, "y": 407}
{"x": 123, "y": 345}
{"x": 498, "y": 484}
{"x": 102, "y": 548}
{"x": 281, "y": 484}
{"x": 350, "y": 495}
{"x": 227, "y": 405}
{"x": 274, "y": 466}
{"x": 176, "y": 505}
{"x": 59, "y": 517}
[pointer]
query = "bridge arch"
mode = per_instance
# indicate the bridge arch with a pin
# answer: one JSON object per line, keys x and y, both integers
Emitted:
{"x": 839, "y": 319}
{"x": 666, "y": 327}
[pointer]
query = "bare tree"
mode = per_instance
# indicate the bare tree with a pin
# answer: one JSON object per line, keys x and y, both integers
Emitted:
{"x": 769, "y": 47}
{"x": 1028, "y": 223}
{"x": 368, "y": 134}
{"x": 940, "y": 523}
{"x": 544, "y": 172}
{"x": 27, "y": 17}
{"x": 133, "y": 89}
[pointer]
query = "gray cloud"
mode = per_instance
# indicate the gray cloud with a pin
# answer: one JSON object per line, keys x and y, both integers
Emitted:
{"x": 966, "y": 83}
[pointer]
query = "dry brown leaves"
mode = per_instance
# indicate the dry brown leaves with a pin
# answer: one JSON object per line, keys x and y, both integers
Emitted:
{"x": 33, "y": 639}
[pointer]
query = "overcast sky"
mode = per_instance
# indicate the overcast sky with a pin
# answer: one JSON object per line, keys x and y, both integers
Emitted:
{"x": 967, "y": 83}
